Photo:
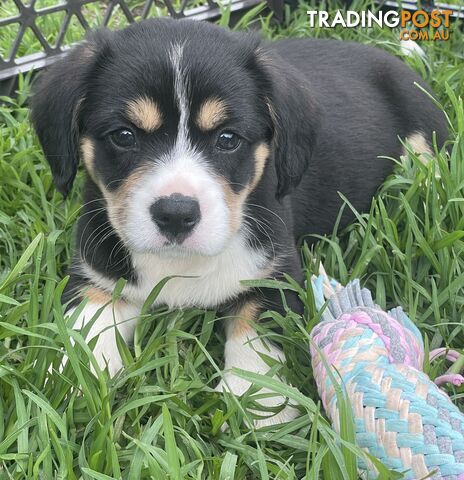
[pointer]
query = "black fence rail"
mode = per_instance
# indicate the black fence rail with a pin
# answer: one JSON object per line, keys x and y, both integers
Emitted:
{"x": 35, "y": 33}
{"x": 41, "y": 31}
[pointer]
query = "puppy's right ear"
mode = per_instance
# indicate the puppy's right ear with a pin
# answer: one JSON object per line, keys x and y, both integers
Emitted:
{"x": 56, "y": 99}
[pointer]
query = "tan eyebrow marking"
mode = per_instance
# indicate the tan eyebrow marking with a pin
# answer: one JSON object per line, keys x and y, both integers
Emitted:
{"x": 211, "y": 114}
{"x": 145, "y": 114}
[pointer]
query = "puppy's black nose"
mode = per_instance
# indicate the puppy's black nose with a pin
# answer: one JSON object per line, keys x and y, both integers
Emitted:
{"x": 176, "y": 215}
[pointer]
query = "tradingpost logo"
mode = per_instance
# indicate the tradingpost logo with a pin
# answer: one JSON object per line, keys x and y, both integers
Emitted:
{"x": 418, "y": 25}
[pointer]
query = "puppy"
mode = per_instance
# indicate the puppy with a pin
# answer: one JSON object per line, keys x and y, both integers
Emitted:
{"x": 208, "y": 154}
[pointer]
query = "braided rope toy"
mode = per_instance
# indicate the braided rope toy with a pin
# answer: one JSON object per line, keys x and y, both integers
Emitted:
{"x": 401, "y": 416}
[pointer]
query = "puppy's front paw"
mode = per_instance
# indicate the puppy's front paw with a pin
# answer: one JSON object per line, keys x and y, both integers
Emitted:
{"x": 243, "y": 350}
{"x": 105, "y": 320}
{"x": 238, "y": 386}
{"x": 106, "y": 353}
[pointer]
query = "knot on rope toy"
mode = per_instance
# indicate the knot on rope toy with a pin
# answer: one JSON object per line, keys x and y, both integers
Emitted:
{"x": 401, "y": 416}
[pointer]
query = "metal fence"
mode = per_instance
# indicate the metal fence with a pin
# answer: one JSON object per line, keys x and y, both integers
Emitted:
{"x": 34, "y": 33}
{"x": 39, "y": 32}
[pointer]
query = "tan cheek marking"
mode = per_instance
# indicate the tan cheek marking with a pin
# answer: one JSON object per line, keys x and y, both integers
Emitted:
{"x": 248, "y": 313}
{"x": 211, "y": 114}
{"x": 419, "y": 145}
{"x": 117, "y": 200}
{"x": 261, "y": 156}
{"x": 235, "y": 201}
{"x": 131, "y": 183}
{"x": 87, "y": 153}
{"x": 88, "y": 157}
{"x": 145, "y": 114}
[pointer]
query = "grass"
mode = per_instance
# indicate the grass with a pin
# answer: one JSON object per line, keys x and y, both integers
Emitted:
{"x": 161, "y": 418}
{"x": 94, "y": 14}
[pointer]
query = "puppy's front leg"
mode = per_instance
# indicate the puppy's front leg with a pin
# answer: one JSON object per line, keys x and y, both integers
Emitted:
{"x": 242, "y": 350}
{"x": 120, "y": 315}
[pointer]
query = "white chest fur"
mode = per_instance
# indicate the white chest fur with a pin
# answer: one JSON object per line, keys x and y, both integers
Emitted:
{"x": 217, "y": 278}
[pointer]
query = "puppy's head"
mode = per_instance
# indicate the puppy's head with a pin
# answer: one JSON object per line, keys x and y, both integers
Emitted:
{"x": 177, "y": 123}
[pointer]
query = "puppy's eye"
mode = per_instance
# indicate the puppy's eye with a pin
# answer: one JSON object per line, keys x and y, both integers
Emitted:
{"x": 228, "y": 141}
{"x": 123, "y": 138}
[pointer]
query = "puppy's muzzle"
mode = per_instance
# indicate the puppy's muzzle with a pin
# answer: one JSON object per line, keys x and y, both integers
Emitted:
{"x": 176, "y": 216}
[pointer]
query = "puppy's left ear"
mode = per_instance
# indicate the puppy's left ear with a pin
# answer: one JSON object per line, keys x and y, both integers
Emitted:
{"x": 294, "y": 115}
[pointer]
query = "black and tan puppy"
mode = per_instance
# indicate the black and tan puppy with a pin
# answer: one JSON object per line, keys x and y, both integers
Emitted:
{"x": 208, "y": 153}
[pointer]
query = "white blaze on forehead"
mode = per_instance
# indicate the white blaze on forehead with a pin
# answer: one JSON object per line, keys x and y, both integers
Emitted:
{"x": 181, "y": 94}
{"x": 185, "y": 174}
